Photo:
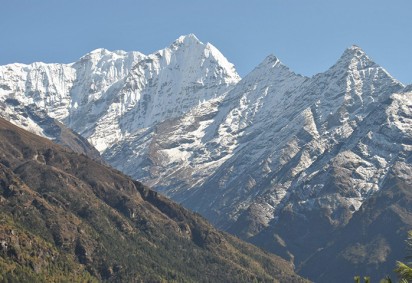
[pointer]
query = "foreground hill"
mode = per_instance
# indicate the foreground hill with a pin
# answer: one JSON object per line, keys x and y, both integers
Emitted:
{"x": 67, "y": 217}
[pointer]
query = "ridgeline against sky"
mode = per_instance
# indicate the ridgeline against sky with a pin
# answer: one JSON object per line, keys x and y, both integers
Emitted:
{"x": 306, "y": 35}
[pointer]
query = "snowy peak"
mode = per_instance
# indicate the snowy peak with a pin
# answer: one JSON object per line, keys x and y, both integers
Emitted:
{"x": 271, "y": 72}
{"x": 159, "y": 86}
{"x": 108, "y": 95}
{"x": 101, "y": 57}
{"x": 228, "y": 68}
{"x": 354, "y": 82}
{"x": 99, "y": 52}
{"x": 187, "y": 40}
{"x": 102, "y": 52}
{"x": 270, "y": 60}
{"x": 354, "y": 58}
{"x": 348, "y": 92}
{"x": 354, "y": 49}
{"x": 197, "y": 58}
{"x": 272, "y": 64}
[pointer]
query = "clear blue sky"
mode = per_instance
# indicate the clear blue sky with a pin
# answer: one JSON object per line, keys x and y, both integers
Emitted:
{"x": 307, "y": 35}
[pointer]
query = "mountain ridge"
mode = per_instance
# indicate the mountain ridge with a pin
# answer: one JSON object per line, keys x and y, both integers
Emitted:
{"x": 261, "y": 157}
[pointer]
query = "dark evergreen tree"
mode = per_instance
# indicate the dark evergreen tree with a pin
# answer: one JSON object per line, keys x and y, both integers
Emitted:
{"x": 404, "y": 270}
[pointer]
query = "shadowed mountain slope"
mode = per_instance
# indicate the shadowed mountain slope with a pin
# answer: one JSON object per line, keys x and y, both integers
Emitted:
{"x": 35, "y": 120}
{"x": 375, "y": 237}
{"x": 67, "y": 217}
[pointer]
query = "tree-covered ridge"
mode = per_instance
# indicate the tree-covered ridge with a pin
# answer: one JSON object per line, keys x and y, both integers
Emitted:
{"x": 26, "y": 257}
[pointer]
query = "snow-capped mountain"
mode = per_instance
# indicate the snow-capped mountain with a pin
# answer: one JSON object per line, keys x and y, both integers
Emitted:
{"x": 277, "y": 158}
{"x": 272, "y": 137}
{"x": 281, "y": 160}
{"x": 106, "y": 96}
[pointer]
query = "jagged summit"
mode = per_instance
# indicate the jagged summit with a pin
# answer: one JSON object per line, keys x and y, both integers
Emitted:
{"x": 183, "y": 41}
{"x": 198, "y": 54}
{"x": 189, "y": 43}
{"x": 187, "y": 39}
{"x": 272, "y": 70}
{"x": 270, "y": 62}
{"x": 355, "y": 47}
{"x": 96, "y": 53}
{"x": 353, "y": 51}
{"x": 355, "y": 62}
{"x": 100, "y": 53}
{"x": 271, "y": 59}
{"x": 354, "y": 58}
{"x": 104, "y": 51}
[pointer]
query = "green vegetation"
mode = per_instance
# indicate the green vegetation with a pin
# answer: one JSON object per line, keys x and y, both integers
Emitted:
{"x": 358, "y": 279}
{"x": 404, "y": 270}
{"x": 25, "y": 257}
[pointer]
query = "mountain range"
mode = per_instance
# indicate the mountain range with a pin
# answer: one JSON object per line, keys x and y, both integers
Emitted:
{"x": 287, "y": 162}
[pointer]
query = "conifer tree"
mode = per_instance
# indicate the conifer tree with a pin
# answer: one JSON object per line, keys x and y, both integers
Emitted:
{"x": 404, "y": 270}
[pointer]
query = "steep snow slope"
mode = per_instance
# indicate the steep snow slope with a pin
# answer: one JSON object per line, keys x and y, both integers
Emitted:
{"x": 106, "y": 96}
{"x": 162, "y": 86}
{"x": 183, "y": 152}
